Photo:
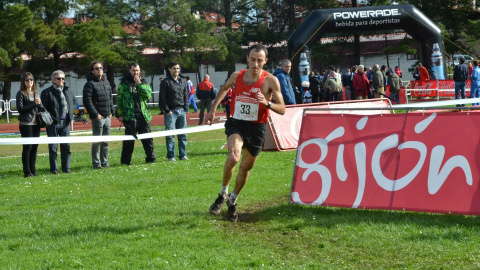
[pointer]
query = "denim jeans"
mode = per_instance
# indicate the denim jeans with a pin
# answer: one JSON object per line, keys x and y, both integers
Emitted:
{"x": 395, "y": 96}
{"x": 475, "y": 93}
{"x": 62, "y": 129}
{"x": 459, "y": 86}
{"x": 176, "y": 120}
{"x": 191, "y": 100}
{"x": 100, "y": 127}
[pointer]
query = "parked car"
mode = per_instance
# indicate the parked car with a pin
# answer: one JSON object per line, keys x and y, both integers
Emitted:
{"x": 456, "y": 59}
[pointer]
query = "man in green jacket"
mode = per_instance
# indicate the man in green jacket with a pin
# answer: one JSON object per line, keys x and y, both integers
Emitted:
{"x": 133, "y": 112}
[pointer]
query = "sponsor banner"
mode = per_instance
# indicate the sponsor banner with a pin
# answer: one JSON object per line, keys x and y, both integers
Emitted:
{"x": 397, "y": 161}
{"x": 367, "y": 18}
{"x": 283, "y": 130}
{"x": 91, "y": 139}
{"x": 428, "y": 88}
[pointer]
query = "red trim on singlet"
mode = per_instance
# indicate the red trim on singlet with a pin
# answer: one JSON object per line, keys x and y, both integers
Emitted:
{"x": 243, "y": 90}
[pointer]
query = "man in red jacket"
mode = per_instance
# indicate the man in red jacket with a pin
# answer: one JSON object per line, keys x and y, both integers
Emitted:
{"x": 361, "y": 83}
{"x": 424, "y": 76}
{"x": 205, "y": 94}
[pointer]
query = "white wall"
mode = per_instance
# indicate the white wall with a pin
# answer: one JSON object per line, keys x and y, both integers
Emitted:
{"x": 370, "y": 60}
{"x": 76, "y": 85}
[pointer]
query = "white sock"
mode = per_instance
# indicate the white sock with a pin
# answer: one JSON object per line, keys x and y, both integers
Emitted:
{"x": 233, "y": 198}
{"x": 224, "y": 190}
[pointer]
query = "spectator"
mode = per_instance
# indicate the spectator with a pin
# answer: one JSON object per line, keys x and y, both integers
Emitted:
{"x": 424, "y": 76}
{"x": 205, "y": 94}
{"x": 27, "y": 103}
{"x": 346, "y": 83}
{"x": 475, "y": 89}
{"x": 174, "y": 104}
{"x": 133, "y": 112}
{"x": 395, "y": 83}
{"x": 361, "y": 84}
{"x": 315, "y": 88}
{"x": 58, "y": 101}
{"x": 333, "y": 86}
{"x": 353, "y": 71}
{"x": 285, "y": 81}
{"x": 191, "y": 95}
{"x": 460, "y": 75}
{"x": 98, "y": 101}
{"x": 378, "y": 82}
{"x": 398, "y": 71}
{"x": 432, "y": 73}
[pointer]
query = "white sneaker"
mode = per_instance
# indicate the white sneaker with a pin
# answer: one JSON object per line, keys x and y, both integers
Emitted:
{"x": 183, "y": 158}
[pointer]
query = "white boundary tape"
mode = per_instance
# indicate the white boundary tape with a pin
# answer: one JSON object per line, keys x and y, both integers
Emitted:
{"x": 90, "y": 139}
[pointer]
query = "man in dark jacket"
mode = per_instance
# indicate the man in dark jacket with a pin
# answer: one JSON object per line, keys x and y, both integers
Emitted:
{"x": 58, "y": 101}
{"x": 174, "y": 104}
{"x": 205, "y": 94}
{"x": 460, "y": 75}
{"x": 132, "y": 110}
{"x": 285, "y": 81}
{"x": 98, "y": 100}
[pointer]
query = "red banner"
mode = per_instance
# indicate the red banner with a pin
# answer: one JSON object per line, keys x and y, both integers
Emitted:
{"x": 398, "y": 161}
{"x": 428, "y": 88}
{"x": 283, "y": 130}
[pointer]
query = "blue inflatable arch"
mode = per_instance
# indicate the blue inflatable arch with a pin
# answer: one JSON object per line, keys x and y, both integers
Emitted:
{"x": 362, "y": 19}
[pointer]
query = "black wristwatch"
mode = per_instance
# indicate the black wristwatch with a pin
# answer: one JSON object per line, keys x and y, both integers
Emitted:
{"x": 269, "y": 104}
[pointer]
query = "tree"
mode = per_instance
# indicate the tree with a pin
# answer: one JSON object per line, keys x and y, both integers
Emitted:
{"x": 181, "y": 36}
{"x": 15, "y": 20}
{"x": 230, "y": 9}
{"x": 96, "y": 40}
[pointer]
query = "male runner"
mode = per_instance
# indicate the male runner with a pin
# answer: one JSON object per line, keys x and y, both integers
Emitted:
{"x": 250, "y": 105}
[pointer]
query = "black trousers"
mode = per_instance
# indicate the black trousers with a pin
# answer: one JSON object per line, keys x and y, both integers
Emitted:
{"x": 29, "y": 153}
{"x": 140, "y": 126}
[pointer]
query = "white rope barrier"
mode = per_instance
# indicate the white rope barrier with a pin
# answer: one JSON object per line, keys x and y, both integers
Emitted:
{"x": 90, "y": 139}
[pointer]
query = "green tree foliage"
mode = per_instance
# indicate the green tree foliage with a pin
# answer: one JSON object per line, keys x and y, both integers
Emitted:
{"x": 181, "y": 36}
{"x": 15, "y": 20}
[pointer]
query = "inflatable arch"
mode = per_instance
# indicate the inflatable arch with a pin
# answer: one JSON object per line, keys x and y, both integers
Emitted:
{"x": 359, "y": 19}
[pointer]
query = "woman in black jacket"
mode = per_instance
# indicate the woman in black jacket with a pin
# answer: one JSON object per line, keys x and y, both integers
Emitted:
{"x": 27, "y": 101}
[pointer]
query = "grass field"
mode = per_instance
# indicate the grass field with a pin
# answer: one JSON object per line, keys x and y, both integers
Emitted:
{"x": 155, "y": 216}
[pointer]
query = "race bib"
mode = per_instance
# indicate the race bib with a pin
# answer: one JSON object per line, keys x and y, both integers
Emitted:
{"x": 246, "y": 109}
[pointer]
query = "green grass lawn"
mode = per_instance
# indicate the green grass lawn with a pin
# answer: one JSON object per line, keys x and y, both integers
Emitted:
{"x": 155, "y": 216}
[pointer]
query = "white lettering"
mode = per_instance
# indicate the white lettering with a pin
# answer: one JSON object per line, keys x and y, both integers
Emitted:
{"x": 366, "y": 14}
{"x": 437, "y": 175}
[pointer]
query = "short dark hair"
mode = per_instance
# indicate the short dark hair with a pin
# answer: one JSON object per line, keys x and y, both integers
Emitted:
{"x": 94, "y": 63}
{"x": 258, "y": 47}
{"x": 475, "y": 63}
{"x": 462, "y": 60}
{"x": 187, "y": 77}
{"x": 173, "y": 63}
{"x": 133, "y": 65}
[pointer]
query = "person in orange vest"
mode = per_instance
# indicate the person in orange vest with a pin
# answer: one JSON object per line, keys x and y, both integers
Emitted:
{"x": 191, "y": 94}
{"x": 206, "y": 95}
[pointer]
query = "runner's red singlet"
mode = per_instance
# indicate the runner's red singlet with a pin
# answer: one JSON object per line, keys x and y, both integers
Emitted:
{"x": 244, "y": 104}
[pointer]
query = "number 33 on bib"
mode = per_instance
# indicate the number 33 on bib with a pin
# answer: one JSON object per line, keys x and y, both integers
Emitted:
{"x": 246, "y": 108}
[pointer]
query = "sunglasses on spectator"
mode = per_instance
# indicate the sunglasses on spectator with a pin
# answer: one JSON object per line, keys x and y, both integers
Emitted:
{"x": 60, "y": 79}
{"x": 29, "y": 80}
{"x": 98, "y": 68}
